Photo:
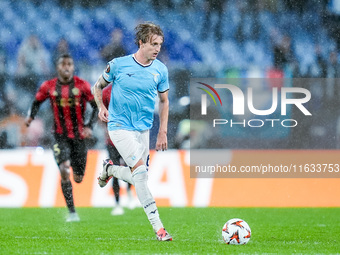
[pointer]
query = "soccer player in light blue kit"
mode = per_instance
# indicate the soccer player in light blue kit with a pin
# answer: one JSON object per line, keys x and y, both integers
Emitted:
{"x": 136, "y": 81}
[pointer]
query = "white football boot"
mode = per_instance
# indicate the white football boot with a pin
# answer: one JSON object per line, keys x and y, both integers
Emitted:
{"x": 104, "y": 177}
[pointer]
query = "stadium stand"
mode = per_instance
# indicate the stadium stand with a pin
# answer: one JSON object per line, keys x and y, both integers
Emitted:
{"x": 250, "y": 32}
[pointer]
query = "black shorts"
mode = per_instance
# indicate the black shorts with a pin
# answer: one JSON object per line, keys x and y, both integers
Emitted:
{"x": 75, "y": 150}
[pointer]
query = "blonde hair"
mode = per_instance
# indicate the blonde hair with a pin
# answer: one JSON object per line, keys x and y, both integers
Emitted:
{"x": 145, "y": 31}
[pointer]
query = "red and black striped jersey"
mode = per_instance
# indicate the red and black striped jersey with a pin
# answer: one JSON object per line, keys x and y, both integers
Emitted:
{"x": 68, "y": 102}
{"x": 107, "y": 95}
{"x": 106, "y": 101}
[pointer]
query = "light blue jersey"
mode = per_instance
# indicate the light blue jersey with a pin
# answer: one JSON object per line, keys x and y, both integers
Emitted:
{"x": 134, "y": 92}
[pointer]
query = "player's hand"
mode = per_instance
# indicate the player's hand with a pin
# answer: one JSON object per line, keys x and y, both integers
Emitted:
{"x": 162, "y": 142}
{"x": 103, "y": 114}
{"x": 87, "y": 132}
{"x": 28, "y": 121}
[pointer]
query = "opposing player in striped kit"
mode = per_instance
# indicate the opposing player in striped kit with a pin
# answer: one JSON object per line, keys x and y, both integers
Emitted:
{"x": 68, "y": 95}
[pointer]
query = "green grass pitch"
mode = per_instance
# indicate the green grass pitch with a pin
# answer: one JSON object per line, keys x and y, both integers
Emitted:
{"x": 194, "y": 230}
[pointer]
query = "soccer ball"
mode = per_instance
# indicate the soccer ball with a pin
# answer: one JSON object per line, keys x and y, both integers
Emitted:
{"x": 236, "y": 231}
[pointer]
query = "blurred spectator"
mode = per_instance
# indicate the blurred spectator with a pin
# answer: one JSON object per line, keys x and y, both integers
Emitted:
{"x": 213, "y": 6}
{"x": 37, "y": 2}
{"x": 162, "y": 4}
{"x": 85, "y": 3}
{"x": 186, "y": 5}
{"x": 250, "y": 8}
{"x": 293, "y": 5}
{"x": 321, "y": 63}
{"x": 269, "y": 5}
{"x": 284, "y": 57}
{"x": 283, "y": 53}
{"x": 333, "y": 89}
{"x": 4, "y": 103}
{"x": 115, "y": 48}
{"x": 333, "y": 70}
{"x": 61, "y": 48}
{"x": 66, "y": 3}
{"x": 32, "y": 63}
{"x": 331, "y": 19}
{"x": 254, "y": 9}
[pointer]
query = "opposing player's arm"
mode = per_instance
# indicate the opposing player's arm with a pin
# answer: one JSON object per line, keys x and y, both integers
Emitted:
{"x": 98, "y": 97}
{"x": 162, "y": 140}
{"x": 32, "y": 112}
{"x": 87, "y": 132}
{"x": 40, "y": 97}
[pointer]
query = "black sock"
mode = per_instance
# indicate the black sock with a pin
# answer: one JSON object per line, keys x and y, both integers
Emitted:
{"x": 66, "y": 187}
{"x": 116, "y": 189}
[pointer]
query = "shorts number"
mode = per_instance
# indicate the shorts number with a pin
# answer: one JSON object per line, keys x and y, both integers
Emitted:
{"x": 56, "y": 149}
{"x": 147, "y": 161}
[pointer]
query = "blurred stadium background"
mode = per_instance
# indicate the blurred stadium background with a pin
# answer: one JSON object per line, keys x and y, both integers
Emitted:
{"x": 203, "y": 38}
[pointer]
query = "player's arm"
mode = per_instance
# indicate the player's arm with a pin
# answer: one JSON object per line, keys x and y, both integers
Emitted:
{"x": 32, "y": 112}
{"x": 40, "y": 97}
{"x": 87, "y": 132}
{"x": 162, "y": 140}
{"x": 94, "y": 114}
{"x": 98, "y": 96}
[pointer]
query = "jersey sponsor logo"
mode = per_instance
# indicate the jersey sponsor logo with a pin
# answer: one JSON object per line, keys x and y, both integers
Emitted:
{"x": 107, "y": 70}
{"x": 130, "y": 74}
{"x": 64, "y": 102}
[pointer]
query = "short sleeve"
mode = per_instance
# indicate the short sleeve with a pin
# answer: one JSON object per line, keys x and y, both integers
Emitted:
{"x": 107, "y": 95}
{"x": 109, "y": 72}
{"x": 164, "y": 82}
{"x": 43, "y": 92}
{"x": 87, "y": 91}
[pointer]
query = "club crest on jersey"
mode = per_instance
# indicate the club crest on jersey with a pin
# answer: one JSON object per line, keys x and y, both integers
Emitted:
{"x": 107, "y": 70}
{"x": 155, "y": 77}
{"x": 55, "y": 93}
{"x": 75, "y": 91}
